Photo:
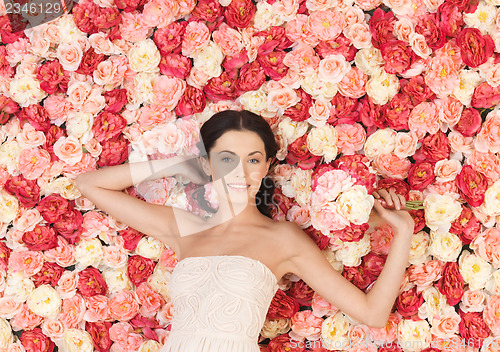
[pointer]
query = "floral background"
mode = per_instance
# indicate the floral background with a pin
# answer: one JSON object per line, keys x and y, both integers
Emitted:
{"x": 361, "y": 94}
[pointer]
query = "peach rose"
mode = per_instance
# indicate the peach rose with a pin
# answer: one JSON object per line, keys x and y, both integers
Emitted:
{"x": 389, "y": 332}
{"x": 326, "y": 25}
{"x": 150, "y": 300}
{"x": 160, "y": 13}
{"x": 168, "y": 91}
{"x": 30, "y": 138}
{"x": 487, "y": 138}
{"x": 487, "y": 245}
{"x": 33, "y": 161}
{"x": 321, "y": 307}
{"x": 450, "y": 110}
{"x": 29, "y": 262}
{"x": 228, "y": 39}
{"x": 53, "y": 328}
{"x": 114, "y": 256}
{"x": 302, "y": 59}
{"x": 390, "y": 165}
{"x": 491, "y": 314}
{"x": 101, "y": 44}
{"x": 299, "y": 30}
{"x": 446, "y": 325}
{"x": 359, "y": 34}
{"x": 77, "y": 93}
{"x": 353, "y": 83}
{"x": 93, "y": 147}
{"x": 25, "y": 319}
{"x": 9, "y": 307}
{"x": 406, "y": 144}
{"x": 320, "y": 112}
{"x": 424, "y": 119}
{"x": 279, "y": 100}
{"x": 68, "y": 149}
{"x": 28, "y": 219}
{"x": 67, "y": 284}
{"x": 460, "y": 144}
{"x": 473, "y": 300}
{"x": 123, "y": 306}
{"x": 134, "y": 27}
{"x": 351, "y": 137}
{"x": 70, "y": 55}
{"x": 442, "y": 76}
{"x": 381, "y": 239}
{"x": 368, "y": 5}
{"x": 403, "y": 28}
{"x": 196, "y": 37}
{"x": 305, "y": 325}
{"x": 299, "y": 215}
{"x": 447, "y": 170}
{"x": 72, "y": 311}
{"x": 352, "y": 15}
{"x": 165, "y": 314}
{"x": 486, "y": 163}
{"x": 63, "y": 254}
{"x": 333, "y": 68}
{"x": 425, "y": 274}
{"x": 419, "y": 45}
{"x": 97, "y": 308}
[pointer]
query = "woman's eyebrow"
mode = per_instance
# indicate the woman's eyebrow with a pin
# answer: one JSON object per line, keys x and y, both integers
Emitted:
{"x": 255, "y": 152}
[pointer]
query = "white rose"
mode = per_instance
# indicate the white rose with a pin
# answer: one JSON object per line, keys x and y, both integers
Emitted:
{"x": 254, "y": 100}
{"x": 117, "y": 279}
{"x": 150, "y": 346}
{"x": 143, "y": 91}
{"x": 414, "y": 335}
{"x": 369, "y": 60}
{"x": 418, "y": 248}
{"x": 159, "y": 281}
{"x": 334, "y": 332}
{"x": 355, "y": 204}
{"x": 265, "y": 17}
{"x": 483, "y": 18}
{"x": 301, "y": 183}
{"x": 434, "y": 303}
{"x": 291, "y": 130}
{"x": 380, "y": 142}
{"x": 45, "y": 301}
{"x": 144, "y": 56}
{"x": 469, "y": 80}
{"x": 317, "y": 87}
{"x": 88, "y": 252}
{"x": 441, "y": 211}
{"x": 351, "y": 252}
{"x": 275, "y": 327}
{"x": 65, "y": 187}
{"x": 9, "y": 206}
{"x": 382, "y": 87}
{"x": 76, "y": 340}
{"x": 209, "y": 60}
{"x": 25, "y": 90}
{"x": 18, "y": 286}
{"x": 475, "y": 270}
{"x": 68, "y": 31}
{"x": 445, "y": 246}
{"x": 150, "y": 247}
{"x": 322, "y": 141}
{"x": 491, "y": 204}
{"x": 79, "y": 123}
{"x": 6, "y": 335}
{"x": 492, "y": 285}
{"x": 9, "y": 156}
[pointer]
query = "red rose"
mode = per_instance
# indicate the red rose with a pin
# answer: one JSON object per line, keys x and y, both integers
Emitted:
{"x": 408, "y": 302}
{"x": 275, "y": 37}
{"x": 139, "y": 269}
{"x": 282, "y": 202}
{"x": 175, "y": 65}
{"x": 421, "y": 175}
{"x": 4, "y": 256}
{"x": 397, "y": 111}
{"x": 90, "y": 61}
{"x": 69, "y": 225}
{"x": 286, "y": 343}
{"x": 417, "y": 89}
{"x": 321, "y": 240}
{"x": 389, "y": 347}
{"x": 469, "y": 123}
{"x": 374, "y": 263}
{"x": 41, "y": 238}
{"x": 400, "y": 186}
{"x": 344, "y": 110}
{"x": 146, "y": 326}
{"x": 466, "y": 226}
{"x": 428, "y": 26}
{"x": 251, "y": 77}
{"x": 282, "y": 306}
{"x": 472, "y": 185}
{"x": 26, "y": 191}
{"x": 53, "y": 77}
{"x": 192, "y": 101}
{"x": 36, "y": 116}
{"x": 7, "y": 108}
{"x": 51, "y": 136}
{"x": 418, "y": 218}
{"x": 169, "y": 39}
{"x": 12, "y": 28}
{"x": 233, "y": 63}
{"x": 107, "y": 17}
{"x": 450, "y": 19}
{"x": 91, "y": 282}
{"x": 381, "y": 27}
{"x": 475, "y": 48}
{"x": 357, "y": 276}
{"x": 369, "y": 114}
{"x": 239, "y": 13}
{"x": 272, "y": 64}
{"x": 129, "y": 5}
{"x": 435, "y": 147}
{"x": 472, "y": 328}
{"x": 131, "y": 238}
{"x": 451, "y": 284}
{"x": 299, "y": 154}
{"x": 339, "y": 46}
{"x": 36, "y": 341}
{"x": 207, "y": 10}
{"x": 356, "y": 166}
{"x": 49, "y": 275}
{"x": 83, "y": 13}
{"x": 397, "y": 55}
{"x": 467, "y": 6}
{"x": 220, "y": 88}
{"x": 100, "y": 335}
{"x": 116, "y": 100}
{"x": 301, "y": 292}
{"x": 300, "y": 111}
{"x": 351, "y": 233}
{"x": 114, "y": 151}
{"x": 485, "y": 96}
{"x": 108, "y": 125}
{"x": 51, "y": 207}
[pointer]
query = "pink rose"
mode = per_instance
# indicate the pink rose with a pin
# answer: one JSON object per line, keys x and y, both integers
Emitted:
{"x": 424, "y": 118}
{"x": 353, "y": 83}
{"x": 72, "y": 311}
{"x": 25, "y": 319}
{"x": 423, "y": 275}
{"x": 33, "y": 162}
{"x": 381, "y": 239}
{"x": 29, "y": 262}
{"x": 392, "y": 166}
{"x": 97, "y": 308}
{"x": 123, "y": 306}
{"x": 150, "y": 300}
{"x": 63, "y": 254}
{"x": 326, "y": 25}
{"x": 305, "y": 324}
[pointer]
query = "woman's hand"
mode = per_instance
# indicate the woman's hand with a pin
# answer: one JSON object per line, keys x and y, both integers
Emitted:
{"x": 391, "y": 208}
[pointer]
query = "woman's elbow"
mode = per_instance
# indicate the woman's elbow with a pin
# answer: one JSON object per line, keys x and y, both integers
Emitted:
{"x": 377, "y": 321}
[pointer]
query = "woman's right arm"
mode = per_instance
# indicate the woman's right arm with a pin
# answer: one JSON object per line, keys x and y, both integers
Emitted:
{"x": 104, "y": 187}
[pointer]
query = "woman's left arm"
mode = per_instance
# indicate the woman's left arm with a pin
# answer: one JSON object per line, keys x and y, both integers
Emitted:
{"x": 373, "y": 308}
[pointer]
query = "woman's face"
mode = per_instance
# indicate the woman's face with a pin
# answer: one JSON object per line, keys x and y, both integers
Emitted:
{"x": 238, "y": 158}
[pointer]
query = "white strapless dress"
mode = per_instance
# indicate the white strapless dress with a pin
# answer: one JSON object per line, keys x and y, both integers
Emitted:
{"x": 219, "y": 304}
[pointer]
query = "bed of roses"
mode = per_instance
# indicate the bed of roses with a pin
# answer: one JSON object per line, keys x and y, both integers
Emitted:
{"x": 362, "y": 95}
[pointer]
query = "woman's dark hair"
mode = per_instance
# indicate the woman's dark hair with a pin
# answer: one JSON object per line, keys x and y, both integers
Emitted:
{"x": 232, "y": 120}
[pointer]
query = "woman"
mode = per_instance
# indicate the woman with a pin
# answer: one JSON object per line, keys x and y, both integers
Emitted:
{"x": 230, "y": 264}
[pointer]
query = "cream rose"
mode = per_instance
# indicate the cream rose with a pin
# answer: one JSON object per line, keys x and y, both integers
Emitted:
{"x": 475, "y": 270}
{"x": 117, "y": 279}
{"x": 150, "y": 247}
{"x": 418, "y": 248}
{"x": 275, "y": 327}
{"x": 369, "y": 60}
{"x": 76, "y": 340}
{"x": 9, "y": 207}
{"x": 9, "y": 156}
{"x": 334, "y": 332}
{"x": 414, "y": 335}
{"x": 301, "y": 183}
{"x": 491, "y": 205}
{"x": 445, "y": 246}
{"x": 380, "y": 142}
{"x": 160, "y": 281}
{"x": 382, "y": 87}
{"x": 150, "y": 346}
{"x": 18, "y": 286}
{"x": 314, "y": 85}
{"x": 65, "y": 187}
{"x": 80, "y": 124}
{"x": 265, "y": 17}
{"x": 25, "y": 90}
{"x": 469, "y": 80}
{"x": 441, "y": 211}
{"x": 483, "y": 18}
{"x": 323, "y": 141}
{"x": 351, "y": 253}
{"x": 492, "y": 286}
{"x": 144, "y": 56}
{"x": 355, "y": 204}
{"x": 209, "y": 60}
{"x": 88, "y": 252}
{"x": 6, "y": 335}
{"x": 291, "y": 130}
{"x": 254, "y": 100}
{"x": 45, "y": 301}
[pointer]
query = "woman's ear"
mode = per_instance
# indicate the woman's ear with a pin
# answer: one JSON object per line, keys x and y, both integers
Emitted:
{"x": 205, "y": 166}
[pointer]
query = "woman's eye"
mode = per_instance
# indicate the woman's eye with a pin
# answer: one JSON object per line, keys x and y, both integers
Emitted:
{"x": 254, "y": 161}
{"x": 226, "y": 159}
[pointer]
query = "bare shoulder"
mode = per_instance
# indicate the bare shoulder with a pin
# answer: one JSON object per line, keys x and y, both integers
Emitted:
{"x": 292, "y": 238}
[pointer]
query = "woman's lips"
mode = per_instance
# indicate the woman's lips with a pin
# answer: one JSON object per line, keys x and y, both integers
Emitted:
{"x": 238, "y": 187}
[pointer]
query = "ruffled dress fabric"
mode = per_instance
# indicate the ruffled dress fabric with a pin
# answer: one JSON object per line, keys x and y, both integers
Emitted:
{"x": 219, "y": 304}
